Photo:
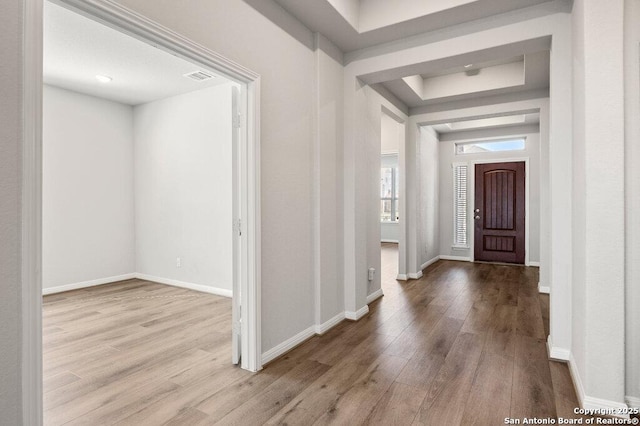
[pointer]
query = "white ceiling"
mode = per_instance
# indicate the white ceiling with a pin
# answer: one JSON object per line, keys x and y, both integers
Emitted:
{"x": 518, "y": 74}
{"x": 358, "y": 24}
{"x": 488, "y": 123}
{"x": 76, "y": 49}
{"x": 515, "y": 70}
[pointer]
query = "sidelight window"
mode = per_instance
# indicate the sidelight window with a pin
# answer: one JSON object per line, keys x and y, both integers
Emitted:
{"x": 460, "y": 232}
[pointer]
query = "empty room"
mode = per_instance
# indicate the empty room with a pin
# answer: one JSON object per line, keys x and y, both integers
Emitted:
{"x": 138, "y": 251}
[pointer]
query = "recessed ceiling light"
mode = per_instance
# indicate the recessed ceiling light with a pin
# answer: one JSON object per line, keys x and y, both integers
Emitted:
{"x": 468, "y": 65}
{"x": 104, "y": 79}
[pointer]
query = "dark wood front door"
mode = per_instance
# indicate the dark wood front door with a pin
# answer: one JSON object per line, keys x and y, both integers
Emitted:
{"x": 499, "y": 212}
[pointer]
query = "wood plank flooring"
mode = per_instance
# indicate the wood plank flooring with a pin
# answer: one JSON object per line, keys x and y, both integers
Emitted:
{"x": 464, "y": 345}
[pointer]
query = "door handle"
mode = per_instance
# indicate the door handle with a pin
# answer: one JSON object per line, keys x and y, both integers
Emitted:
{"x": 477, "y": 210}
{"x": 477, "y": 217}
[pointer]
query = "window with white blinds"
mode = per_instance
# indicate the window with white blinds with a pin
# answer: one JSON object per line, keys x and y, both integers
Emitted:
{"x": 460, "y": 205}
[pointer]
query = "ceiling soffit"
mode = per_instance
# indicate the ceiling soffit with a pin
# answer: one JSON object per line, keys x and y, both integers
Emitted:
{"x": 358, "y": 24}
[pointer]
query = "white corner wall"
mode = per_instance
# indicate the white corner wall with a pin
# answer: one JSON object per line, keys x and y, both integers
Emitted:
{"x": 428, "y": 216}
{"x": 183, "y": 199}
{"x": 448, "y": 157}
{"x": 632, "y": 196}
{"x": 87, "y": 212}
{"x": 598, "y": 320}
{"x": 328, "y": 229}
{"x": 12, "y": 371}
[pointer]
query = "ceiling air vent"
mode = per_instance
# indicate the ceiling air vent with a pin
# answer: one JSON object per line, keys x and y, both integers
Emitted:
{"x": 199, "y": 76}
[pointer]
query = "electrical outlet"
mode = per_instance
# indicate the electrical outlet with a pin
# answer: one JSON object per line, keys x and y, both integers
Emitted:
{"x": 178, "y": 262}
{"x": 372, "y": 274}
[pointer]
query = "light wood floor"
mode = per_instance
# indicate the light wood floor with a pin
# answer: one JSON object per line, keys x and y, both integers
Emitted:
{"x": 464, "y": 345}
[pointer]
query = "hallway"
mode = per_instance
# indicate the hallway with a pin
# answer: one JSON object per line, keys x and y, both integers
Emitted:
{"x": 463, "y": 345}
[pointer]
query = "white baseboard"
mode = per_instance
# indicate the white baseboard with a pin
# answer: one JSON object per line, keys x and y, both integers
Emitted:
{"x": 458, "y": 258}
{"x": 544, "y": 289}
{"x": 374, "y": 296}
{"x": 632, "y": 401}
{"x": 108, "y": 280}
{"x": 355, "y": 316}
{"x": 87, "y": 284}
{"x": 402, "y": 277}
{"x": 536, "y": 264}
{"x": 577, "y": 381}
{"x": 328, "y": 325}
{"x": 191, "y": 286}
{"x": 383, "y": 240}
{"x": 429, "y": 262}
{"x": 556, "y": 353}
{"x": 287, "y": 345}
{"x": 415, "y": 275}
{"x": 599, "y": 406}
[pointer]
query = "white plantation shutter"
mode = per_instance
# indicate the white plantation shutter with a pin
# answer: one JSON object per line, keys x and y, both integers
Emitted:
{"x": 460, "y": 204}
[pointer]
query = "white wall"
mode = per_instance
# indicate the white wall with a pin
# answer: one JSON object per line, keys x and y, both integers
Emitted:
{"x": 598, "y": 210}
{"x": 448, "y": 156}
{"x": 11, "y": 377}
{"x": 632, "y": 196}
{"x": 183, "y": 203}
{"x": 428, "y": 216}
{"x": 87, "y": 193}
{"x": 390, "y": 135}
{"x": 328, "y": 171}
{"x": 286, "y": 65}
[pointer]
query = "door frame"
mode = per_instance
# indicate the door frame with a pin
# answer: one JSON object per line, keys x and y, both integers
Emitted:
{"x": 471, "y": 203}
{"x": 402, "y": 177}
{"x": 138, "y": 26}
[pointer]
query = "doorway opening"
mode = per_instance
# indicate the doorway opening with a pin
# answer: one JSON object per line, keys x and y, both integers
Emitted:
{"x": 244, "y": 223}
{"x": 392, "y": 135}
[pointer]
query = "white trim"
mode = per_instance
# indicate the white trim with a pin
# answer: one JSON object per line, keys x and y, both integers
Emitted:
{"x": 375, "y": 295}
{"x": 535, "y": 264}
{"x": 632, "y": 401}
{"x": 87, "y": 284}
{"x": 402, "y": 277}
{"x": 589, "y": 402}
{"x": 557, "y": 354}
{"x": 328, "y": 325}
{"x": 182, "y": 284}
{"x": 429, "y": 263}
{"x": 287, "y": 345}
{"x": 316, "y": 189}
{"x": 31, "y": 217}
{"x": 458, "y": 258}
{"x": 415, "y": 275}
{"x": 252, "y": 284}
{"x": 384, "y": 240}
{"x": 299, "y": 338}
{"x": 355, "y": 316}
{"x": 543, "y": 289}
{"x": 139, "y": 26}
{"x": 612, "y": 407}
